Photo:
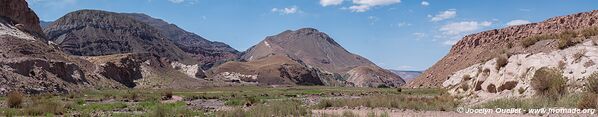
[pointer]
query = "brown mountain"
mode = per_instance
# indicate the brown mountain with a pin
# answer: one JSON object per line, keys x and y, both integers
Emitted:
{"x": 318, "y": 50}
{"x": 200, "y": 48}
{"x": 483, "y": 46}
{"x": 30, "y": 65}
{"x": 96, "y": 33}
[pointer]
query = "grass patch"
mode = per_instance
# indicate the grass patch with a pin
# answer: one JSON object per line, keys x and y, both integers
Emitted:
{"x": 549, "y": 83}
{"x": 569, "y": 101}
{"x": 529, "y": 41}
{"x": 592, "y": 83}
{"x": 47, "y": 106}
{"x": 436, "y": 103}
{"x": 282, "y": 108}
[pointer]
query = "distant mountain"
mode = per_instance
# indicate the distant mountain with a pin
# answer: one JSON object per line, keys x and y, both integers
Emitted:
{"x": 318, "y": 50}
{"x": 200, "y": 48}
{"x": 45, "y": 24}
{"x": 96, "y": 33}
{"x": 407, "y": 75}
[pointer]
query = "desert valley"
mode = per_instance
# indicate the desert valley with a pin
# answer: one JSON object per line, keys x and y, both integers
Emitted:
{"x": 107, "y": 63}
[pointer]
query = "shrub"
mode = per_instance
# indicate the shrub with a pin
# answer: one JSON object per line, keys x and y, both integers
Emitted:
{"x": 588, "y": 101}
{"x": 592, "y": 83}
{"x": 15, "y": 99}
{"x": 501, "y": 62}
{"x": 464, "y": 86}
{"x": 533, "y": 39}
{"x": 549, "y": 82}
{"x": 382, "y": 86}
{"x": 587, "y": 33}
{"x": 565, "y": 39}
{"x": 167, "y": 94}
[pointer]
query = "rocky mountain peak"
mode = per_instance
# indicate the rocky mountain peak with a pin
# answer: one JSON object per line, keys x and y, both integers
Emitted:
{"x": 318, "y": 50}
{"x": 199, "y": 48}
{"x": 19, "y": 13}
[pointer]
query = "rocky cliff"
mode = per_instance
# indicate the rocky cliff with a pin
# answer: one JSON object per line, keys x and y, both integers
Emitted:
{"x": 200, "y": 48}
{"x": 18, "y": 12}
{"x": 95, "y": 33}
{"x": 480, "y": 47}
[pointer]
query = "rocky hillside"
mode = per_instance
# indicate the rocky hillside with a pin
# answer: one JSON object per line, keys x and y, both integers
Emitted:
{"x": 30, "y": 65}
{"x": 484, "y": 46}
{"x": 318, "y": 50}
{"x": 200, "y": 48}
{"x": 96, "y": 33}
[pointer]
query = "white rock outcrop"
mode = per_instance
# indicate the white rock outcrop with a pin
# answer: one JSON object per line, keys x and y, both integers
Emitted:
{"x": 483, "y": 82}
{"x": 189, "y": 70}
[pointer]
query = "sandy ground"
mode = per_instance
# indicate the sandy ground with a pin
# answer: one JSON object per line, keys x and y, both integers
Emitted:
{"x": 410, "y": 113}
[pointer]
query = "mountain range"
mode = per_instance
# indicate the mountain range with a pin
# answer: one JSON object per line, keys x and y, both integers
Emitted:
{"x": 102, "y": 49}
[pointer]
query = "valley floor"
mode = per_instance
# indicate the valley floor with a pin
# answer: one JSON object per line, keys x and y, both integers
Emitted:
{"x": 251, "y": 101}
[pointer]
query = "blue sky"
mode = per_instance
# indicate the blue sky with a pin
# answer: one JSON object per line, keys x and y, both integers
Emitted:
{"x": 395, "y": 34}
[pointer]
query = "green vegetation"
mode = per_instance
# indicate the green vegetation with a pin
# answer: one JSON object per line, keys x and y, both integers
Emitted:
{"x": 438, "y": 103}
{"x": 282, "y": 108}
{"x": 549, "y": 83}
{"x": 529, "y": 41}
{"x": 568, "y": 101}
{"x": 587, "y": 33}
{"x": 246, "y": 101}
{"x": 565, "y": 39}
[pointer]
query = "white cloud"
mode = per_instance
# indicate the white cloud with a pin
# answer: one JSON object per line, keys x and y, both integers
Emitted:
{"x": 403, "y": 67}
{"x": 402, "y": 24}
{"x": 285, "y": 11}
{"x": 176, "y": 1}
{"x": 360, "y": 8}
{"x": 365, "y": 5}
{"x": 425, "y": 3}
{"x": 451, "y": 13}
{"x": 517, "y": 22}
{"x": 419, "y": 35}
{"x": 330, "y": 2}
{"x": 463, "y": 27}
